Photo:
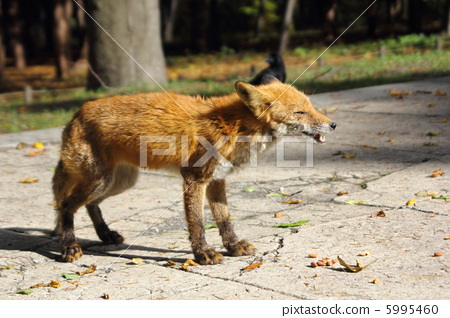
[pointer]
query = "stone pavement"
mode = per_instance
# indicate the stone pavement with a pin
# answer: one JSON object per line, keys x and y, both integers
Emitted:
{"x": 379, "y": 157}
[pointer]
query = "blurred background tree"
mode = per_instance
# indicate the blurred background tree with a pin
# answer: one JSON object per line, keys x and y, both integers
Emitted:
{"x": 55, "y": 31}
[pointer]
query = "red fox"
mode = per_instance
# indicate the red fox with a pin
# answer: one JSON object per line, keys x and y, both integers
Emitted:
{"x": 102, "y": 149}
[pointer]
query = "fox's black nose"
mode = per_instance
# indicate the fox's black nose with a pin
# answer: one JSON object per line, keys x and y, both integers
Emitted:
{"x": 333, "y": 126}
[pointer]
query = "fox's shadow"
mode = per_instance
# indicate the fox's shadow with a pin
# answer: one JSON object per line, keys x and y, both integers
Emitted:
{"x": 41, "y": 242}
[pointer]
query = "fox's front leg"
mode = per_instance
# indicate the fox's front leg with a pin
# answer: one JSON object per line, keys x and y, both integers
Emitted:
{"x": 194, "y": 194}
{"x": 216, "y": 195}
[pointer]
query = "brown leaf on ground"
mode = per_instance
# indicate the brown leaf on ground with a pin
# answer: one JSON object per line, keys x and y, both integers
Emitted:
{"x": 441, "y": 93}
{"x": 29, "y": 180}
{"x": 378, "y": 214}
{"x": 90, "y": 270}
{"x": 292, "y": 202}
{"x": 252, "y": 266}
{"x": 33, "y": 153}
{"x": 341, "y": 193}
{"x": 359, "y": 267}
{"x": 399, "y": 94}
{"x": 437, "y": 173}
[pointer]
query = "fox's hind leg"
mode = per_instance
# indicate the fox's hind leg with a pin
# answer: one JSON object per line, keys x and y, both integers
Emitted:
{"x": 216, "y": 195}
{"x": 71, "y": 192}
{"x": 125, "y": 176}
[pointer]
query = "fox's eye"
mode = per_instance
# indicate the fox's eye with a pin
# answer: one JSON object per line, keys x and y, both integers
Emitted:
{"x": 300, "y": 113}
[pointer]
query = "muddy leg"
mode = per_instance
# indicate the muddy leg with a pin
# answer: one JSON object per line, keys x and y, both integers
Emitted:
{"x": 218, "y": 203}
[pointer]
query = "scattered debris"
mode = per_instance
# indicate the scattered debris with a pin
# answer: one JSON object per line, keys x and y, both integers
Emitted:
{"x": 365, "y": 253}
{"x": 376, "y": 281}
{"x": 284, "y": 225}
{"x": 381, "y": 214}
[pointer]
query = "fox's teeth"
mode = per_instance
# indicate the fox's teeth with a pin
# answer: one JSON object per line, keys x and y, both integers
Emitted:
{"x": 322, "y": 138}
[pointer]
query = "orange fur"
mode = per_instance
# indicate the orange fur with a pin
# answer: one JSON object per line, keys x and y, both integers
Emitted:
{"x": 102, "y": 148}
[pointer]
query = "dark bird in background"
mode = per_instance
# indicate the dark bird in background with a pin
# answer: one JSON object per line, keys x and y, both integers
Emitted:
{"x": 276, "y": 69}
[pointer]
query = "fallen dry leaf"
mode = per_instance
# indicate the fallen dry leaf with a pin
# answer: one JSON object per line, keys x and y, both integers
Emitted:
{"x": 278, "y": 215}
{"x": 105, "y": 296}
{"x": 33, "y": 153}
{"x": 391, "y": 140}
{"x": 340, "y": 193}
{"x": 53, "y": 283}
{"x": 399, "y": 94}
{"x": 313, "y": 255}
{"x": 349, "y": 155}
{"x": 441, "y": 93}
{"x": 38, "y": 145}
{"x": 359, "y": 267}
{"x": 252, "y": 266}
{"x": 438, "y": 254}
{"x": 29, "y": 180}
{"x": 447, "y": 238}
{"x": 427, "y": 193}
{"x": 437, "y": 173}
{"x": 171, "y": 263}
{"x": 90, "y": 270}
{"x": 136, "y": 261}
{"x": 378, "y": 214}
{"x": 376, "y": 281}
{"x": 368, "y": 146}
{"x": 292, "y": 202}
{"x": 410, "y": 202}
{"x": 431, "y": 105}
{"x": 191, "y": 262}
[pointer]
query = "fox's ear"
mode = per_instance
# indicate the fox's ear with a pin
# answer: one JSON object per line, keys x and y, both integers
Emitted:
{"x": 256, "y": 100}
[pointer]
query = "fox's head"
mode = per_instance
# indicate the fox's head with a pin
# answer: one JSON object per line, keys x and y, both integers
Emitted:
{"x": 287, "y": 111}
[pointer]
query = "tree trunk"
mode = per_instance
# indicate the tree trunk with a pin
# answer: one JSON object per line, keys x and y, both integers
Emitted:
{"x": 82, "y": 36}
{"x": 15, "y": 27}
{"x": 135, "y": 25}
{"x": 287, "y": 22}
{"x": 329, "y": 27}
{"x": 2, "y": 47}
{"x": 169, "y": 24}
{"x": 62, "y": 12}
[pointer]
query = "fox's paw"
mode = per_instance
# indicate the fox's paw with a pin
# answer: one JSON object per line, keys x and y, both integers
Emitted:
{"x": 112, "y": 237}
{"x": 71, "y": 253}
{"x": 208, "y": 257}
{"x": 241, "y": 248}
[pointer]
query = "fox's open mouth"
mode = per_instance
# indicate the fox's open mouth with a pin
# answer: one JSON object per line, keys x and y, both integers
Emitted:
{"x": 317, "y": 137}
